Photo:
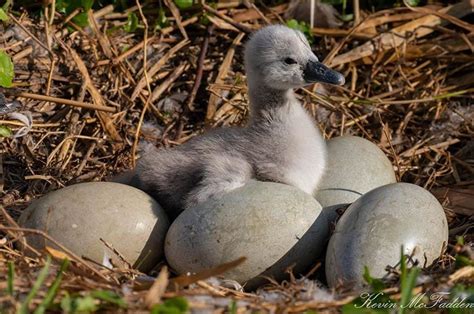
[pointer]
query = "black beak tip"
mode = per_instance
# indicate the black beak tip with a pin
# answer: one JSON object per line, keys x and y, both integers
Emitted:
{"x": 340, "y": 80}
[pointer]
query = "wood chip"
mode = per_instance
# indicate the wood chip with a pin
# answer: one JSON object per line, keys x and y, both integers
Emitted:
{"x": 158, "y": 288}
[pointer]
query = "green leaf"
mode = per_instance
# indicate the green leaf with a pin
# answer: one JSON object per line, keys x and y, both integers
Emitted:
{"x": 87, "y": 4}
{"x": 132, "y": 23}
{"x": 376, "y": 284}
{"x": 109, "y": 297}
{"x": 367, "y": 301}
{"x": 71, "y": 5}
{"x": 3, "y": 15}
{"x": 6, "y": 70}
{"x": 462, "y": 261}
{"x": 5, "y": 131}
{"x": 53, "y": 290}
{"x": 347, "y": 17}
{"x": 293, "y": 24}
{"x": 91, "y": 302}
{"x": 302, "y": 27}
{"x": 36, "y": 286}
{"x": 71, "y": 304}
{"x": 204, "y": 20}
{"x": 184, "y": 4}
{"x": 413, "y": 3}
{"x": 81, "y": 20}
{"x": 6, "y": 6}
{"x": 68, "y": 6}
{"x": 61, "y": 6}
{"x": 162, "y": 20}
{"x": 177, "y": 305}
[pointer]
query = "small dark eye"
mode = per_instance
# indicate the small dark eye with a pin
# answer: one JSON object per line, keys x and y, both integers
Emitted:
{"x": 290, "y": 61}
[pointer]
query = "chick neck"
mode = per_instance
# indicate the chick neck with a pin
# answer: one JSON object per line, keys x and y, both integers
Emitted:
{"x": 267, "y": 102}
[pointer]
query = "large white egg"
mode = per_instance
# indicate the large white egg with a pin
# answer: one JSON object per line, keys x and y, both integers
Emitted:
{"x": 373, "y": 229}
{"x": 80, "y": 215}
{"x": 354, "y": 167}
{"x": 273, "y": 225}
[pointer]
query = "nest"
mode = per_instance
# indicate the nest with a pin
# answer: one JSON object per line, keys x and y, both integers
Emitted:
{"x": 86, "y": 96}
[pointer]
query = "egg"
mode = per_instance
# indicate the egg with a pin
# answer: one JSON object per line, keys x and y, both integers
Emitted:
{"x": 373, "y": 229}
{"x": 273, "y": 225}
{"x": 80, "y": 215}
{"x": 354, "y": 167}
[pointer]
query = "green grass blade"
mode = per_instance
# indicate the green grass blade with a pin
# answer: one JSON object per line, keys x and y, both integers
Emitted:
{"x": 36, "y": 286}
{"x": 11, "y": 277}
{"x": 109, "y": 297}
{"x": 407, "y": 283}
{"x": 3, "y": 15}
{"x": 53, "y": 290}
{"x": 407, "y": 287}
{"x": 403, "y": 265}
{"x": 403, "y": 277}
{"x": 233, "y": 307}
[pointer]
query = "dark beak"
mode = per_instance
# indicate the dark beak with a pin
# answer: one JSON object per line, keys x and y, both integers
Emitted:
{"x": 316, "y": 72}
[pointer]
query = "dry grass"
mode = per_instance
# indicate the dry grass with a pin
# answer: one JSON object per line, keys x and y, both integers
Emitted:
{"x": 410, "y": 89}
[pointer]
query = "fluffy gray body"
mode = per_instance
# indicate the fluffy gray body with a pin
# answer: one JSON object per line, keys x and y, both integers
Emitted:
{"x": 280, "y": 143}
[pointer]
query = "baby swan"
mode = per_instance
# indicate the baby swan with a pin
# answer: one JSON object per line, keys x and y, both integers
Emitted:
{"x": 280, "y": 143}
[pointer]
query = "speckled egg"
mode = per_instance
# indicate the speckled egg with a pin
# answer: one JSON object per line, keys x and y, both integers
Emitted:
{"x": 80, "y": 215}
{"x": 374, "y": 228}
{"x": 354, "y": 167}
{"x": 273, "y": 225}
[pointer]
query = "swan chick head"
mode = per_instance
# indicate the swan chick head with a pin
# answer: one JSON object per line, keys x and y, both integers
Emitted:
{"x": 281, "y": 58}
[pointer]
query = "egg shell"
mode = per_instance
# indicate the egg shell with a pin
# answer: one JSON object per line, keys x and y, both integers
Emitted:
{"x": 262, "y": 221}
{"x": 80, "y": 215}
{"x": 354, "y": 167}
{"x": 373, "y": 229}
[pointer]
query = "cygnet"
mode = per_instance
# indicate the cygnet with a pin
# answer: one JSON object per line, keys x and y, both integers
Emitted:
{"x": 280, "y": 143}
